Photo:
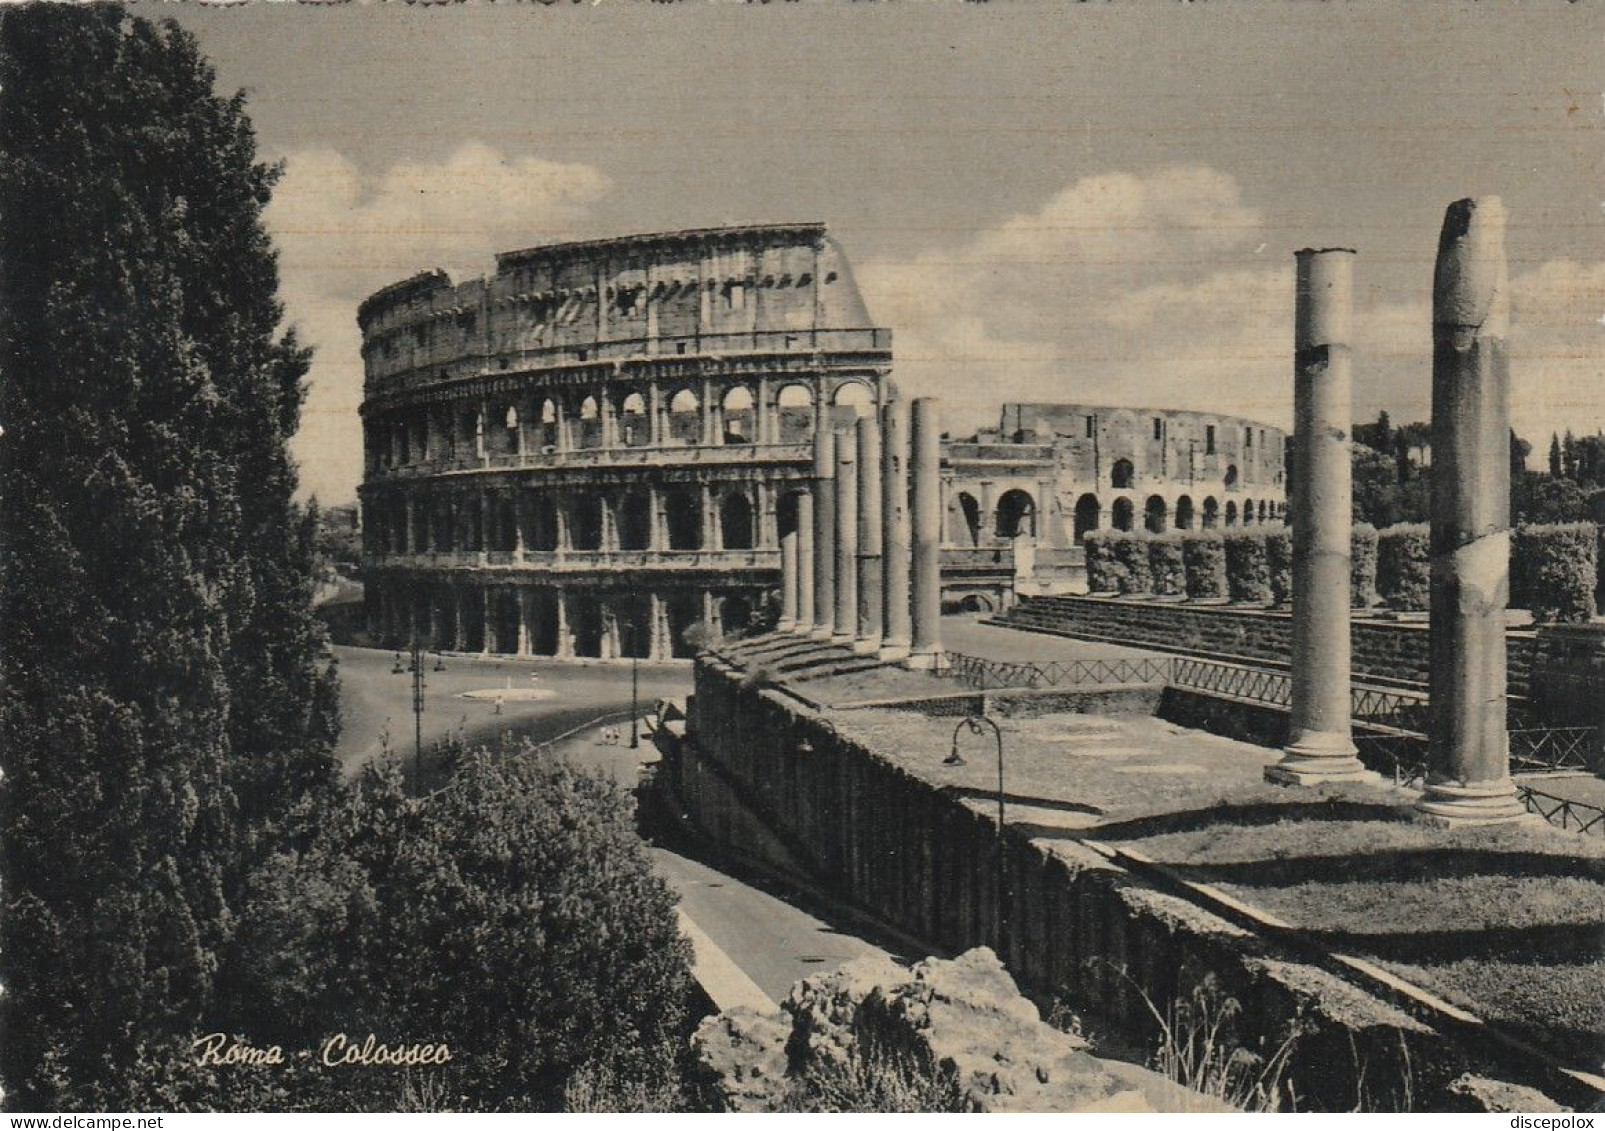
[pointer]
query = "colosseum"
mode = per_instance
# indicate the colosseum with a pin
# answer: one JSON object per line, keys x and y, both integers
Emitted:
{"x": 602, "y": 446}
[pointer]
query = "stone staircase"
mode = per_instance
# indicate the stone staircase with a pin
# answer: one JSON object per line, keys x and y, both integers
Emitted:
{"x": 795, "y": 659}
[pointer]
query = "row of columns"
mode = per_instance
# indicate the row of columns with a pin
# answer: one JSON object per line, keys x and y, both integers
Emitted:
{"x": 863, "y": 567}
{"x": 1468, "y": 741}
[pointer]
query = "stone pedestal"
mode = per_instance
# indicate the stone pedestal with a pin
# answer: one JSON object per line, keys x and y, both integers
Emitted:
{"x": 1469, "y": 754}
{"x": 824, "y": 533}
{"x": 867, "y": 636}
{"x": 895, "y": 632}
{"x": 1320, "y": 745}
{"x": 925, "y": 469}
{"x": 846, "y": 620}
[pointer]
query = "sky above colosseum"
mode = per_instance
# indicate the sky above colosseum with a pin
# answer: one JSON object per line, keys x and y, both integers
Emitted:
{"x": 1044, "y": 201}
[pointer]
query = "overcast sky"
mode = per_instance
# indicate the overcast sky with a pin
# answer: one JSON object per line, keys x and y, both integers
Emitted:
{"x": 1044, "y": 201}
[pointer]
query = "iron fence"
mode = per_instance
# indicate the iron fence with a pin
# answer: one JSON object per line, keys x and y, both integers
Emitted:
{"x": 1563, "y": 812}
{"x": 1545, "y": 749}
{"x": 1402, "y": 756}
{"x": 1257, "y": 685}
{"x": 987, "y": 674}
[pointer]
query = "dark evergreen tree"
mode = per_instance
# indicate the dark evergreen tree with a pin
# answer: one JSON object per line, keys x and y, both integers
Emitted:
{"x": 1554, "y": 456}
{"x": 163, "y": 694}
{"x": 1519, "y": 451}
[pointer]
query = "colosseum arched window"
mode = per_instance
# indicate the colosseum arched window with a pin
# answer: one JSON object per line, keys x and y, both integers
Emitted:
{"x": 735, "y": 521}
{"x": 1017, "y": 514}
{"x": 685, "y": 418}
{"x": 740, "y": 423}
{"x": 1087, "y": 515}
{"x": 1121, "y": 474}
{"x": 794, "y": 405}
{"x": 1121, "y": 515}
{"x": 1154, "y": 515}
{"x": 1184, "y": 512}
{"x": 635, "y": 429}
{"x": 1231, "y": 475}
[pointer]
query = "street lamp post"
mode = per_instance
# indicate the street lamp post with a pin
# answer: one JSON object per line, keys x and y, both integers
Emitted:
{"x": 635, "y": 689}
{"x": 415, "y": 668}
{"x": 976, "y": 724}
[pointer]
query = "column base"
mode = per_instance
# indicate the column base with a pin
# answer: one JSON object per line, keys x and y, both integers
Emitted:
{"x": 925, "y": 660}
{"x": 842, "y": 639}
{"x": 817, "y": 633}
{"x": 892, "y": 650}
{"x": 1452, "y": 804}
{"x": 867, "y": 646}
{"x": 802, "y": 628}
{"x": 786, "y": 624}
{"x": 1315, "y": 758}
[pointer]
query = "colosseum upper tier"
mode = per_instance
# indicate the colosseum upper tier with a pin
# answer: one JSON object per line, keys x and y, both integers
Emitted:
{"x": 599, "y": 446}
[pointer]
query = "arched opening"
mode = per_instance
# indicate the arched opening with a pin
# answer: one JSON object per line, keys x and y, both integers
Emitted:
{"x": 543, "y": 524}
{"x": 510, "y": 438}
{"x": 740, "y": 423}
{"x": 1086, "y": 519}
{"x": 786, "y": 513}
{"x": 1120, "y": 514}
{"x": 735, "y": 521}
{"x": 635, "y": 431}
{"x": 1248, "y": 512}
{"x": 503, "y": 609}
{"x": 543, "y": 622}
{"x": 735, "y": 615}
{"x": 1154, "y": 515}
{"x": 1017, "y": 514}
{"x": 1211, "y": 513}
{"x": 685, "y": 418}
{"x": 1184, "y": 513}
{"x": 585, "y": 522}
{"x": 548, "y": 425}
{"x": 590, "y": 424}
{"x": 472, "y": 604}
{"x": 684, "y": 612}
{"x": 635, "y": 522}
{"x": 976, "y": 603}
{"x": 971, "y": 511}
{"x": 1121, "y": 474}
{"x": 1262, "y": 510}
{"x": 585, "y": 622}
{"x": 855, "y": 395}
{"x": 1231, "y": 514}
{"x": 795, "y": 408}
{"x": 504, "y": 528}
{"x": 683, "y": 509}
{"x": 1231, "y": 475}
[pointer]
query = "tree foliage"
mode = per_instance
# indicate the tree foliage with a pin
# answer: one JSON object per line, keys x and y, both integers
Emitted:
{"x": 163, "y": 693}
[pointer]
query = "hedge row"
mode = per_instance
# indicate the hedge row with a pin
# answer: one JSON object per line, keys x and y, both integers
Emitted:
{"x": 1554, "y": 569}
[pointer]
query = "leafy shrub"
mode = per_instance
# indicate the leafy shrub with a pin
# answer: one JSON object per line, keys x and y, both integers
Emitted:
{"x": 1100, "y": 560}
{"x": 1165, "y": 565}
{"x": 1554, "y": 570}
{"x": 1248, "y": 578}
{"x": 1363, "y": 566}
{"x": 1404, "y": 566}
{"x": 1279, "y": 564}
{"x": 1205, "y": 562}
{"x": 1131, "y": 561}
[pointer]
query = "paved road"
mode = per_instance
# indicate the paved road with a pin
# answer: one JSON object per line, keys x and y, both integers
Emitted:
{"x": 375, "y": 702}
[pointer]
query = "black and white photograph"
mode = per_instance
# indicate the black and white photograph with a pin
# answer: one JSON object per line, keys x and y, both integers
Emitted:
{"x": 802, "y": 556}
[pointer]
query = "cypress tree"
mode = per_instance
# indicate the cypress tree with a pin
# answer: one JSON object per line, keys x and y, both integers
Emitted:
{"x": 163, "y": 696}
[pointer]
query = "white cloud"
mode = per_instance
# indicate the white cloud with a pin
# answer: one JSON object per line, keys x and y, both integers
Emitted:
{"x": 343, "y": 234}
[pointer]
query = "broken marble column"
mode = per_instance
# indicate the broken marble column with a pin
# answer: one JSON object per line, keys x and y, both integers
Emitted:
{"x": 788, "y": 582}
{"x": 805, "y": 563}
{"x": 1469, "y": 763}
{"x": 824, "y": 532}
{"x": 925, "y": 469}
{"x": 894, "y": 530}
{"x": 867, "y": 636}
{"x": 846, "y": 621}
{"x": 1320, "y": 744}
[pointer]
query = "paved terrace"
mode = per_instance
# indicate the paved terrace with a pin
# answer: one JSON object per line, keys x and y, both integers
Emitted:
{"x": 1507, "y": 923}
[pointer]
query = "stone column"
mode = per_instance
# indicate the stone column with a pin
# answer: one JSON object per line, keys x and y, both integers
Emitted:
{"x": 788, "y": 582}
{"x": 867, "y": 637}
{"x": 1320, "y": 747}
{"x": 1469, "y": 755}
{"x": 925, "y": 470}
{"x": 657, "y": 646}
{"x": 565, "y": 639}
{"x": 894, "y": 530}
{"x": 846, "y": 618}
{"x": 805, "y": 563}
{"x": 824, "y": 534}
{"x": 987, "y": 535}
{"x": 523, "y": 621}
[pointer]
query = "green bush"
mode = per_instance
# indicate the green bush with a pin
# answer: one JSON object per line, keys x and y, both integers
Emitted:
{"x": 1363, "y": 566}
{"x": 1554, "y": 570}
{"x": 1165, "y": 565}
{"x": 1248, "y": 578}
{"x": 1131, "y": 560}
{"x": 1279, "y": 564}
{"x": 1404, "y": 566}
{"x": 1205, "y": 562}
{"x": 1100, "y": 573}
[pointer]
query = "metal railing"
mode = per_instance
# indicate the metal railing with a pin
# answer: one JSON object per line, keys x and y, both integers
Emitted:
{"x": 1401, "y": 756}
{"x": 1547, "y": 749}
{"x": 987, "y": 674}
{"x": 1257, "y": 685}
{"x": 1563, "y": 812}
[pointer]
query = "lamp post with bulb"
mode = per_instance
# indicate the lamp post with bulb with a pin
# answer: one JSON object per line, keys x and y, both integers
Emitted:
{"x": 977, "y": 724}
{"x": 415, "y": 667}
